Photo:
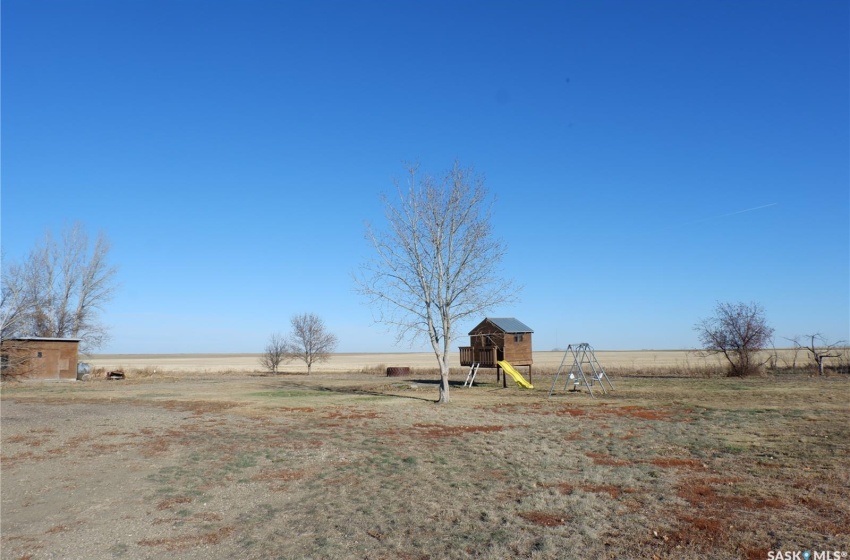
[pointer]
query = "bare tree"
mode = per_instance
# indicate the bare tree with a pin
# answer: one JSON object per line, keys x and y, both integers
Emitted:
{"x": 14, "y": 304}
{"x": 309, "y": 340}
{"x": 15, "y": 359}
{"x": 796, "y": 346}
{"x": 819, "y": 348}
{"x": 13, "y": 309}
{"x": 275, "y": 353}
{"x": 738, "y": 331}
{"x": 436, "y": 261}
{"x": 60, "y": 289}
{"x": 773, "y": 359}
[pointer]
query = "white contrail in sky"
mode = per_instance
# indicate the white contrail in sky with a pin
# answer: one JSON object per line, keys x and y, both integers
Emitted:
{"x": 736, "y": 213}
{"x": 747, "y": 210}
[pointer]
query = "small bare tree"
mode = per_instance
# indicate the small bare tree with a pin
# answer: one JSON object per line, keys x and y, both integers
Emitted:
{"x": 275, "y": 353}
{"x": 819, "y": 348}
{"x": 738, "y": 331}
{"x": 796, "y": 347}
{"x": 61, "y": 289}
{"x": 309, "y": 340}
{"x": 437, "y": 260}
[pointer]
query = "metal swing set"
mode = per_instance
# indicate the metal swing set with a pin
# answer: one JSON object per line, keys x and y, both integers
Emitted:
{"x": 583, "y": 368}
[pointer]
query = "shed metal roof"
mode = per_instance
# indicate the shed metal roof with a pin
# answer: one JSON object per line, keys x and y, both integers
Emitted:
{"x": 509, "y": 324}
{"x": 42, "y": 339}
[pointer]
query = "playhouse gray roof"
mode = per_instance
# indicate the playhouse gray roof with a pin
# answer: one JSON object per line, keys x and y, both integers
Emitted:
{"x": 509, "y": 324}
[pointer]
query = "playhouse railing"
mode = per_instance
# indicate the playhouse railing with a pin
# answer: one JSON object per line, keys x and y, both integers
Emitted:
{"x": 484, "y": 356}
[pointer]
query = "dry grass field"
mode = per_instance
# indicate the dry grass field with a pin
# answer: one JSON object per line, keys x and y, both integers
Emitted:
{"x": 647, "y": 361}
{"x": 224, "y": 463}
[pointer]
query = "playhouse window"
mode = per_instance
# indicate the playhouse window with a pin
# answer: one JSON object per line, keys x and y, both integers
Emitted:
{"x": 517, "y": 338}
{"x": 38, "y": 355}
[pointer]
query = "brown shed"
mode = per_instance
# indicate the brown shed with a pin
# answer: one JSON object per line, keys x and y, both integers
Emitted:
{"x": 39, "y": 357}
{"x": 496, "y": 339}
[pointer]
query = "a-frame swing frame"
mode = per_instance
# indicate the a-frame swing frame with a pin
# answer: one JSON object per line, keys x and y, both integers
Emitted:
{"x": 581, "y": 357}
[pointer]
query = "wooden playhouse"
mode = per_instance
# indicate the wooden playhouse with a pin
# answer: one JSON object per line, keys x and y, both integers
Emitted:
{"x": 497, "y": 339}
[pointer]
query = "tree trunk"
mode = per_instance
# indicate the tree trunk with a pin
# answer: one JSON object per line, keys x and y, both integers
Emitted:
{"x": 444, "y": 388}
{"x": 444, "y": 378}
{"x": 441, "y": 351}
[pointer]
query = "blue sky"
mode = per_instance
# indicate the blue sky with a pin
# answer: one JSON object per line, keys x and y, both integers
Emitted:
{"x": 648, "y": 158}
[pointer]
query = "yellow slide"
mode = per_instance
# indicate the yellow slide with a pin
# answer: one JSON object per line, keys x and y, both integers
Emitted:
{"x": 515, "y": 375}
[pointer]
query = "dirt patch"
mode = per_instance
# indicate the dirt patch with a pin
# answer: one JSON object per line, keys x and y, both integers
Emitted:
{"x": 703, "y": 496}
{"x": 642, "y": 413}
{"x": 711, "y": 517}
{"x": 351, "y": 415}
{"x": 171, "y": 502}
{"x": 279, "y": 476}
{"x": 603, "y": 459}
{"x": 27, "y": 440}
{"x": 611, "y": 489}
{"x": 672, "y": 462}
{"x": 189, "y": 541}
{"x": 199, "y": 408}
{"x": 571, "y": 412}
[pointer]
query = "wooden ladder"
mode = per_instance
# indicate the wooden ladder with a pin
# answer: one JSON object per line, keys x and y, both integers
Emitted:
{"x": 470, "y": 377}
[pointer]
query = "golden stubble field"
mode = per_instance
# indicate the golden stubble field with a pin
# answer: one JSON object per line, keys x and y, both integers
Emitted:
{"x": 346, "y": 464}
{"x": 353, "y": 362}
